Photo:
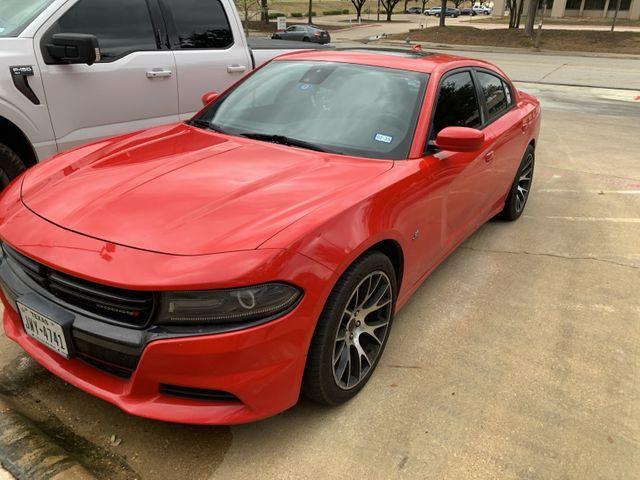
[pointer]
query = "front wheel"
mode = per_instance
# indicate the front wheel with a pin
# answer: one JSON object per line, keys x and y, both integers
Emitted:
{"x": 352, "y": 331}
{"x": 10, "y": 165}
{"x": 521, "y": 187}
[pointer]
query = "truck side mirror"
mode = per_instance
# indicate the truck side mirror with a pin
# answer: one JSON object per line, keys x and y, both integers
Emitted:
{"x": 74, "y": 48}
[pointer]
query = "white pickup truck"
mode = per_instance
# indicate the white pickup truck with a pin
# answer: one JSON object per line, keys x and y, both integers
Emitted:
{"x": 72, "y": 71}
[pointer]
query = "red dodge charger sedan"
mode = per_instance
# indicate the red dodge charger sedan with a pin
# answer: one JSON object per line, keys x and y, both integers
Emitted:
{"x": 210, "y": 271}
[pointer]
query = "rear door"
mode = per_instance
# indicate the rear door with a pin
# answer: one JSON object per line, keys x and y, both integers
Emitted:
{"x": 209, "y": 47}
{"x": 504, "y": 128}
{"x": 133, "y": 86}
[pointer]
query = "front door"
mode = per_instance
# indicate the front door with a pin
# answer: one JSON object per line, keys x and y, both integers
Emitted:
{"x": 465, "y": 198}
{"x": 133, "y": 86}
{"x": 209, "y": 47}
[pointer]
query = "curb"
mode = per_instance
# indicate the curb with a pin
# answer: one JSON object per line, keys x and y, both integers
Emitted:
{"x": 28, "y": 453}
{"x": 489, "y": 49}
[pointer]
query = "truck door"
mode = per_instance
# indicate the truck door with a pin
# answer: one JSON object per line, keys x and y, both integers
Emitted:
{"x": 209, "y": 46}
{"x": 132, "y": 86}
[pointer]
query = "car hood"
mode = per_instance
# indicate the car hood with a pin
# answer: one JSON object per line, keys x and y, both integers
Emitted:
{"x": 181, "y": 190}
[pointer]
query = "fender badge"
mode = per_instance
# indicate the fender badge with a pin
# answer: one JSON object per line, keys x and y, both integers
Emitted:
{"x": 21, "y": 71}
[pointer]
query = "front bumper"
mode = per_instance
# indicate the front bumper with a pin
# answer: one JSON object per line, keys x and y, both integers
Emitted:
{"x": 262, "y": 367}
{"x": 259, "y": 367}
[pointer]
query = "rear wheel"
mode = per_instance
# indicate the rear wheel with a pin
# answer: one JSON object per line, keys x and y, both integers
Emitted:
{"x": 306, "y": 39}
{"x": 519, "y": 193}
{"x": 10, "y": 165}
{"x": 352, "y": 331}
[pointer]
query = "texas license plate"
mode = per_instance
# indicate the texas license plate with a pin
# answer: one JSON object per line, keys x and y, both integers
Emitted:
{"x": 43, "y": 329}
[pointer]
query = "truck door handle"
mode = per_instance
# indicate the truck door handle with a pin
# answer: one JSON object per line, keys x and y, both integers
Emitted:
{"x": 489, "y": 156}
{"x": 159, "y": 73}
{"x": 236, "y": 68}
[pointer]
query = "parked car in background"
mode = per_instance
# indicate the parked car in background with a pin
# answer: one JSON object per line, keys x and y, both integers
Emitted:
{"x": 303, "y": 33}
{"x": 482, "y": 10}
{"x": 414, "y": 10}
{"x": 211, "y": 271}
{"x": 450, "y": 12}
{"x": 72, "y": 71}
{"x": 432, "y": 11}
{"x": 468, "y": 11}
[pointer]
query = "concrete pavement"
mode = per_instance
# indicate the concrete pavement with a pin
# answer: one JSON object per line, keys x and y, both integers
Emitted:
{"x": 518, "y": 358}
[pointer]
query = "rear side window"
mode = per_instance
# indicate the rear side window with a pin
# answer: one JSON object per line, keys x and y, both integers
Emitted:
{"x": 121, "y": 26}
{"x": 200, "y": 23}
{"x": 457, "y": 104}
{"x": 497, "y": 96}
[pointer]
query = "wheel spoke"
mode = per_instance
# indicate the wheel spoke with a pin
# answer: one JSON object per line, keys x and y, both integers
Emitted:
{"x": 343, "y": 364}
{"x": 362, "y": 331}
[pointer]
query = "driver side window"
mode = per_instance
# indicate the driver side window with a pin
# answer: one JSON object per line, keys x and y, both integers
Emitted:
{"x": 457, "y": 104}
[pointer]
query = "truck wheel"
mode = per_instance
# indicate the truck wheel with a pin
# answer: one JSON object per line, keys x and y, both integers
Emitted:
{"x": 10, "y": 165}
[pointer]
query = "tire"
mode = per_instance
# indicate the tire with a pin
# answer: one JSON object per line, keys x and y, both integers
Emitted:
{"x": 306, "y": 39}
{"x": 276, "y": 37}
{"x": 10, "y": 165}
{"x": 322, "y": 381}
{"x": 515, "y": 203}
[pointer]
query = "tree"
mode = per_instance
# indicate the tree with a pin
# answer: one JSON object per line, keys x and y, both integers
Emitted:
{"x": 424, "y": 5}
{"x": 388, "y": 6}
{"x": 358, "y": 5}
{"x": 531, "y": 17}
{"x": 404, "y": 10}
{"x": 457, "y": 3}
{"x": 264, "y": 12}
{"x": 515, "y": 12}
{"x": 443, "y": 12}
{"x": 310, "y": 14}
{"x": 250, "y": 9}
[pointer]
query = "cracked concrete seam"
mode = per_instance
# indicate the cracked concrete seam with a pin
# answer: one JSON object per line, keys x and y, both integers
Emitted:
{"x": 551, "y": 255}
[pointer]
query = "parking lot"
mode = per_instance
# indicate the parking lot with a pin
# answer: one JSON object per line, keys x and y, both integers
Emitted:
{"x": 519, "y": 357}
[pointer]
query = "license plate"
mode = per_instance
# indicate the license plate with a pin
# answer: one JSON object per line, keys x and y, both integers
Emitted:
{"x": 44, "y": 330}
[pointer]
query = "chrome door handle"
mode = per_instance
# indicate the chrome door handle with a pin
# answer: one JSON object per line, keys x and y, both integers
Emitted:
{"x": 158, "y": 73}
{"x": 236, "y": 68}
{"x": 489, "y": 156}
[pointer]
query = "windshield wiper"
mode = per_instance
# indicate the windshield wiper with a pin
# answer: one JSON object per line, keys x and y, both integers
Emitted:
{"x": 283, "y": 140}
{"x": 197, "y": 122}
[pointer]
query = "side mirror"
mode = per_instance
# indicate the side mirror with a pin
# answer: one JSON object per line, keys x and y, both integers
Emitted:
{"x": 460, "y": 139}
{"x": 74, "y": 48}
{"x": 209, "y": 97}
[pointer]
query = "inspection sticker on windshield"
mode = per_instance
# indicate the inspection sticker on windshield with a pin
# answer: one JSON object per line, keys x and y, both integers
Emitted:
{"x": 381, "y": 137}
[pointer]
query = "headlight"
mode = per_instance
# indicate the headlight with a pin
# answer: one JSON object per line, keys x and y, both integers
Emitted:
{"x": 227, "y": 306}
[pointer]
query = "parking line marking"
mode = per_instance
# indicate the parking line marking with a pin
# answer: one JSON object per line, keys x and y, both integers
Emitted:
{"x": 595, "y": 219}
{"x": 598, "y": 192}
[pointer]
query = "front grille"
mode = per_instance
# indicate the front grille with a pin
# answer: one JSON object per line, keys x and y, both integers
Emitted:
{"x": 198, "y": 393}
{"x": 129, "y": 307}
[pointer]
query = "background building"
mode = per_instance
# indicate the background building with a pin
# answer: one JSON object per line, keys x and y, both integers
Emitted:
{"x": 583, "y": 8}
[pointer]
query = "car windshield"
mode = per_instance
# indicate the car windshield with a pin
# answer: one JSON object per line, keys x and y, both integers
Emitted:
{"x": 15, "y": 15}
{"x": 336, "y": 107}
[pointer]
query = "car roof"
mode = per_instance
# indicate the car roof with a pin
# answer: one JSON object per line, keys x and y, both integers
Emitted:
{"x": 404, "y": 59}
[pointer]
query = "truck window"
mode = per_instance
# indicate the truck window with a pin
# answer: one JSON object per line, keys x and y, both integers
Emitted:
{"x": 200, "y": 23}
{"x": 121, "y": 26}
